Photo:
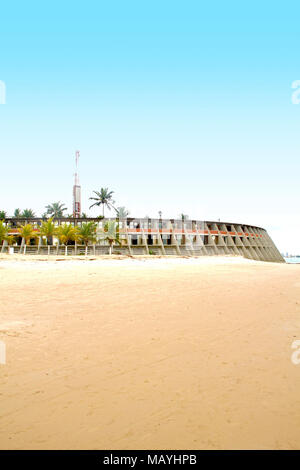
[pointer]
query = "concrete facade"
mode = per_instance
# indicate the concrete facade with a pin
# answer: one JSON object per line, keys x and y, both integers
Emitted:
{"x": 162, "y": 237}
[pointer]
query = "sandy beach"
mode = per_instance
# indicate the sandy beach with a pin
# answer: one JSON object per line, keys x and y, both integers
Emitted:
{"x": 149, "y": 354}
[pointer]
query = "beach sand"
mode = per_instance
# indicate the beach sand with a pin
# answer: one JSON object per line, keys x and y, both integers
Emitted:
{"x": 149, "y": 354}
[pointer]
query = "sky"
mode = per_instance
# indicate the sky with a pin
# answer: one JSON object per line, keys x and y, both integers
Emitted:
{"x": 179, "y": 107}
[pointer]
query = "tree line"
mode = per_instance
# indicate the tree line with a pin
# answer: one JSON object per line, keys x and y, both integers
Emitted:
{"x": 85, "y": 233}
{"x": 103, "y": 198}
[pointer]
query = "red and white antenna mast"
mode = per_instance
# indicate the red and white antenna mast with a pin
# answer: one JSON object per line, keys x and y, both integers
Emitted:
{"x": 76, "y": 190}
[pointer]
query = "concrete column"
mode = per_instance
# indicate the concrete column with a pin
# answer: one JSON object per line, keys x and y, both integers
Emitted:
{"x": 160, "y": 242}
{"x": 145, "y": 241}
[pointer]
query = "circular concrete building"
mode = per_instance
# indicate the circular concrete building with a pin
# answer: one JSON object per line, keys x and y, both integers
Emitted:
{"x": 169, "y": 237}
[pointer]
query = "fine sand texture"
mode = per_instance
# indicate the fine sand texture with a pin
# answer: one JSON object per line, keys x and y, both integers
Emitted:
{"x": 149, "y": 354}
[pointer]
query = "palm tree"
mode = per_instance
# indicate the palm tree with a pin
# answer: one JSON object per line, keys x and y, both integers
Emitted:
{"x": 87, "y": 233}
{"x": 3, "y": 231}
{"x": 2, "y": 215}
{"x": 17, "y": 213}
{"x": 122, "y": 212}
{"x": 28, "y": 213}
{"x": 66, "y": 233}
{"x": 27, "y": 232}
{"x": 104, "y": 198}
{"x": 56, "y": 209}
{"x": 4, "y": 234}
{"x": 48, "y": 230}
{"x": 111, "y": 233}
{"x": 10, "y": 239}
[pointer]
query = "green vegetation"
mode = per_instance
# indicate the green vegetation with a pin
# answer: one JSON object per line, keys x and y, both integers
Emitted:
{"x": 111, "y": 234}
{"x": 28, "y": 213}
{"x": 104, "y": 199}
{"x": 4, "y": 234}
{"x": 87, "y": 233}
{"x": 2, "y": 214}
{"x": 10, "y": 240}
{"x": 3, "y": 231}
{"x": 27, "y": 232}
{"x": 122, "y": 212}
{"x": 17, "y": 213}
{"x": 66, "y": 233}
{"x": 56, "y": 209}
{"x": 48, "y": 230}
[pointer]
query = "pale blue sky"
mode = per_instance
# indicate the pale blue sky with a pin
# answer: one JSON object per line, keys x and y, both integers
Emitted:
{"x": 176, "y": 106}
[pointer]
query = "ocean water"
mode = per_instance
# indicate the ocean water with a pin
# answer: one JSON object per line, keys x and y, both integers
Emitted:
{"x": 292, "y": 260}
